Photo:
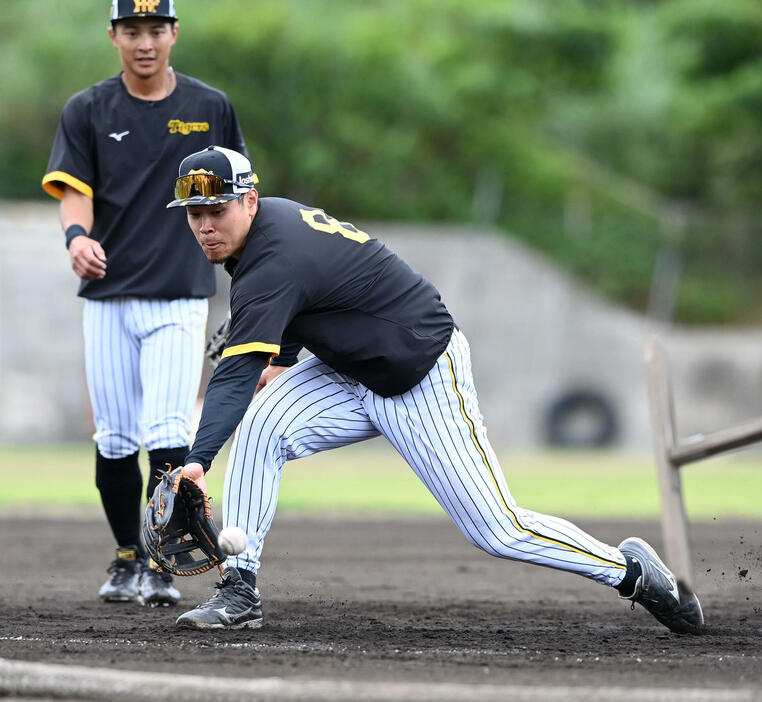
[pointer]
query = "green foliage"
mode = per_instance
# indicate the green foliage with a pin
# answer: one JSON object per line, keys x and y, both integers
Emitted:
{"x": 573, "y": 125}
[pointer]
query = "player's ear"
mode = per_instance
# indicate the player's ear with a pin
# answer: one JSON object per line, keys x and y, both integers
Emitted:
{"x": 174, "y": 29}
{"x": 248, "y": 201}
{"x": 112, "y": 34}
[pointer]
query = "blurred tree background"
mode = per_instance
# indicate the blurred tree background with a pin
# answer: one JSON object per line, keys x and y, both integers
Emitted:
{"x": 620, "y": 138}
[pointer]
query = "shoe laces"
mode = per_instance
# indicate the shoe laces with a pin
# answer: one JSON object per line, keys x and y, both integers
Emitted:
{"x": 224, "y": 589}
{"x": 636, "y": 592}
{"x": 220, "y": 584}
{"x": 219, "y": 593}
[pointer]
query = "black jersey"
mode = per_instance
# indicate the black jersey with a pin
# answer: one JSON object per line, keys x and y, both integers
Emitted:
{"x": 123, "y": 152}
{"x": 306, "y": 278}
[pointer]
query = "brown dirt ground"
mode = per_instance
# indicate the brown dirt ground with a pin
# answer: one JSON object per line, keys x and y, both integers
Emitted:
{"x": 402, "y": 599}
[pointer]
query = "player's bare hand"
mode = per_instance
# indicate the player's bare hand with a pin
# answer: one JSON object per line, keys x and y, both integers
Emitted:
{"x": 88, "y": 259}
{"x": 268, "y": 375}
{"x": 195, "y": 472}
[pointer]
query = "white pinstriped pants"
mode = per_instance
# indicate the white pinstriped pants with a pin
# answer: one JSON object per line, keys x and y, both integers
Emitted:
{"x": 143, "y": 360}
{"x": 436, "y": 427}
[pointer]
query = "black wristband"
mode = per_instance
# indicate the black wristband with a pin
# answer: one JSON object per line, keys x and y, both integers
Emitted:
{"x": 72, "y": 231}
{"x": 283, "y": 362}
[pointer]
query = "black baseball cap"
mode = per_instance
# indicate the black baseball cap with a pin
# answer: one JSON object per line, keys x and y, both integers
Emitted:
{"x": 212, "y": 176}
{"x": 122, "y": 9}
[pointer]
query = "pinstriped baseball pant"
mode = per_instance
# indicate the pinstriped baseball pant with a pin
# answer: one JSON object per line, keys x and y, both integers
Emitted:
{"x": 143, "y": 360}
{"x": 437, "y": 428}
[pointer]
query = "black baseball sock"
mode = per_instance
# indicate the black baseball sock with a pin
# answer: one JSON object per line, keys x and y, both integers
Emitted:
{"x": 249, "y": 577}
{"x": 159, "y": 458}
{"x": 120, "y": 484}
{"x": 634, "y": 571}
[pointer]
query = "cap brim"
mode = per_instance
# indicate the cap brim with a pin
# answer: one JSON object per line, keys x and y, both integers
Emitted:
{"x": 200, "y": 200}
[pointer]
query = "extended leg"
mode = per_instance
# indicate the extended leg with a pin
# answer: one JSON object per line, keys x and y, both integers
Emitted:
{"x": 439, "y": 431}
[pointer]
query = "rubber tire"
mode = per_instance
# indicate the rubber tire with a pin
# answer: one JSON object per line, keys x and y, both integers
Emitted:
{"x": 565, "y": 412}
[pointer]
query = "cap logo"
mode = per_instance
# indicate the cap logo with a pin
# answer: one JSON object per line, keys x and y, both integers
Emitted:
{"x": 145, "y": 5}
{"x": 246, "y": 179}
{"x": 196, "y": 171}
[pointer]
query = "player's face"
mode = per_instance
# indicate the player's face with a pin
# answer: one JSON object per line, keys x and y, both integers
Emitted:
{"x": 144, "y": 44}
{"x": 221, "y": 230}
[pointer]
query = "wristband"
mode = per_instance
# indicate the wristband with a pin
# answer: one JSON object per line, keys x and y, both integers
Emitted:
{"x": 283, "y": 362}
{"x": 72, "y": 231}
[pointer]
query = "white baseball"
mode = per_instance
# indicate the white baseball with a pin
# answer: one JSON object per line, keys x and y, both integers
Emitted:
{"x": 232, "y": 540}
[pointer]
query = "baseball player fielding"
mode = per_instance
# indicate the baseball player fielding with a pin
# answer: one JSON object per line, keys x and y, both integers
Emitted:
{"x": 387, "y": 359}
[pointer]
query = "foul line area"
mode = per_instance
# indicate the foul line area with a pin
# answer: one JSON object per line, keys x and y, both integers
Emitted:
{"x": 44, "y": 681}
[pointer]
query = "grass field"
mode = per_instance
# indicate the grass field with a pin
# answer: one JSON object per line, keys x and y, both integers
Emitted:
{"x": 373, "y": 479}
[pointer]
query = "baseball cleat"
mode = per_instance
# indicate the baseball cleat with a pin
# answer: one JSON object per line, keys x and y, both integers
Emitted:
{"x": 124, "y": 570}
{"x": 235, "y": 605}
{"x": 156, "y": 589}
{"x": 658, "y": 591}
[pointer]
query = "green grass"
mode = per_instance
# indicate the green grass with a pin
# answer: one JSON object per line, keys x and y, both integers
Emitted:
{"x": 373, "y": 479}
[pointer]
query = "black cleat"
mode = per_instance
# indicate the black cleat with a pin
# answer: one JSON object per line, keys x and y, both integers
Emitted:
{"x": 122, "y": 586}
{"x": 235, "y": 605}
{"x": 657, "y": 590}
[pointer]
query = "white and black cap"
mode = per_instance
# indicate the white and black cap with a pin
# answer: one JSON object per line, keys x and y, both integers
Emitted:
{"x": 212, "y": 176}
{"x": 125, "y": 9}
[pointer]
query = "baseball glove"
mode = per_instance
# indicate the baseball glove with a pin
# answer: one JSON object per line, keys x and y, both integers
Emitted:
{"x": 216, "y": 344}
{"x": 178, "y": 529}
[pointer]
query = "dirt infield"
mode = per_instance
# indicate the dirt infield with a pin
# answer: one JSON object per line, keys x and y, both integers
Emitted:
{"x": 404, "y": 600}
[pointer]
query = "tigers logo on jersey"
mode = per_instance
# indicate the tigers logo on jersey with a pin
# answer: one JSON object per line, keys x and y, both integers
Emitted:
{"x": 145, "y": 5}
{"x": 177, "y": 126}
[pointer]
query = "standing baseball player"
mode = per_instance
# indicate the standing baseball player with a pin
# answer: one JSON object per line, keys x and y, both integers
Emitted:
{"x": 388, "y": 359}
{"x": 145, "y": 282}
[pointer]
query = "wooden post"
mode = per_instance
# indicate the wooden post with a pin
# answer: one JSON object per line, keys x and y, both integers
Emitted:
{"x": 673, "y": 519}
{"x": 703, "y": 446}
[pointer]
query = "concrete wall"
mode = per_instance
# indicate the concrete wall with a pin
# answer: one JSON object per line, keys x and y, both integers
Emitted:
{"x": 534, "y": 332}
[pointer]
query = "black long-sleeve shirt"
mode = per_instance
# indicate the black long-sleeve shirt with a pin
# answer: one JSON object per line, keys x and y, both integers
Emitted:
{"x": 306, "y": 279}
{"x": 228, "y": 395}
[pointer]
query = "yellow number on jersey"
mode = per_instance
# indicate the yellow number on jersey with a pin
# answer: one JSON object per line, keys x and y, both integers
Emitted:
{"x": 317, "y": 219}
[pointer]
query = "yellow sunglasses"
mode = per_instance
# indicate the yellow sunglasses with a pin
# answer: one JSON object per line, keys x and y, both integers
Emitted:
{"x": 205, "y": 185}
